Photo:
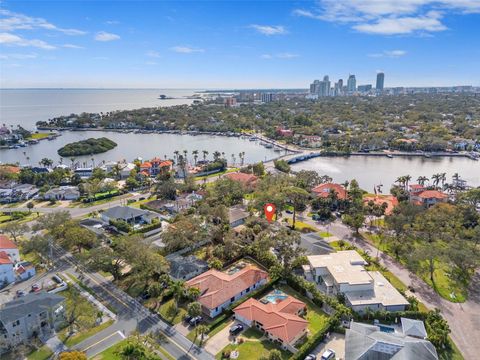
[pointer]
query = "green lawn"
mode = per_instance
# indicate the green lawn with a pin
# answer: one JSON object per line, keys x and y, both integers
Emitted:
{"x": 38, "y": 136}
{"x": 301, "y": 225}
{"x": 42, "y": 353}
{"x": 450, "y": 354}
{"x": 136, "y": 204}
{"x": 317, "y": 319}
{"x": 253, "y": 347}
{"x": 325, "y": 234}
{"x": 167, "y": 311}
{"x": 111, "y": 352}
{"x": 444, "y": 285}
{"x": 216, "y": 174}
{"x": 79, "y": 337}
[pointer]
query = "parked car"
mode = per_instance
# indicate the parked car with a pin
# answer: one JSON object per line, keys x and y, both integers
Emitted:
{"x": 21, "y": 293}
{"x": 328, "y": 355}
{"x": 35, "y": 288}
{"x": 236, "y": 329}
{"x": 288, "y": 211}
{"x": 316, "y": 217}
{"x": 195, "y": 321}
{"x": 311, "y": 357}
{"x": 187, "y": 318}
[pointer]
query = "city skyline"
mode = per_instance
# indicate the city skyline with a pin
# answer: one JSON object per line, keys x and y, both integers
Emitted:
{"x": 212, "y": 45}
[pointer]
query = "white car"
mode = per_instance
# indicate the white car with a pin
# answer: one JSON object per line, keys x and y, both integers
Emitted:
{"x": 328, "y": 355}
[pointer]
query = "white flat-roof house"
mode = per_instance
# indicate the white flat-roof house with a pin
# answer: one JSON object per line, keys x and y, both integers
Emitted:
{"x": 344, "y": 273}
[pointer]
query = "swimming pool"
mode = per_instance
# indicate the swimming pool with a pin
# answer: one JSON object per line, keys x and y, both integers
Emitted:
{"x": 386, "y": 329}
{"x": 274, "y": 297}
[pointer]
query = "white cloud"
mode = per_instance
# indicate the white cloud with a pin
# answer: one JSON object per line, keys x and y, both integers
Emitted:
{"x": 15, "y": 40}
{"x": 186, "y": 49}
{"x": 72, "y": 46}
{"x": 153, "y": 54}
{"x": 389, "y": 53}
{"x": 18, "y": 56}
{"x": 13, "y": 21}
{"x": 279, "y": 56}
{"x": 105, "y": 36}
{"x": 390, "y": 17}
{"x": 269, "y": 29}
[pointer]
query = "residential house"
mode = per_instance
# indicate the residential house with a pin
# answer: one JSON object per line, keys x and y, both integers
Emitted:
{"x": 249, "y": 181}
{"x": 159, "y": 165}
{"x": 314, "y": 244}
{"x": 279, "y": 320}
{"x": 62, "y": 193}
{"x": 324, "y": 190}
{"x": 10, "y": 248}
{"x": 390, "y": 201}
{"x": 414, "y": 328}
{"x": 130, "y": 215}
{"x": 221, "y": 289}
{"x": 369, "y": 342}
{"x": 83, "y": 172}
{"x": 7, "y": 275}
{"x": 237, "y": 216}
{"x": 36, "y": 314}
{"x": 185, "y": 267}
{"x": 17, "y": 192}
{"x": 124, "y": 168}
{"x": 24, "y": 270}
{"x": 428, "y": 197}
{"x": 344, "y": 272}
{"x": 146, "y": 168}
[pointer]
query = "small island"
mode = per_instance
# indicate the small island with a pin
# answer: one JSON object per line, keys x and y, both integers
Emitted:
{"x": 87, "y": 147}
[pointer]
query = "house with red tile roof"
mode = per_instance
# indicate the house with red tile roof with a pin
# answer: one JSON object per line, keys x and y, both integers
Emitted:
{"x": 146, "y": 167}
{"x": 428, "y": 197}
{"x": 159, "y": 165}
{"x": 280, "y": 320}
{"x": 218, "y": 290}
{"x": 379, "y": 200}
{"x": 9, "y": 248}
{"x": 323, "y": 190}
{"x": 247, "y": 180}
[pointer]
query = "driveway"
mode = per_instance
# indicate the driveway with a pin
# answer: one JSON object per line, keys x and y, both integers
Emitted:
{"x": 336, "y": 342}
{"x": 221, "y": 339}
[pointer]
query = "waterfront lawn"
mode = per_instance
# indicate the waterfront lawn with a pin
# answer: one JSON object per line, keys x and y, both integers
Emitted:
{"x": 220, "y": 173}
{"x": 38, "y": 136}
{"x": 253, "y": 347}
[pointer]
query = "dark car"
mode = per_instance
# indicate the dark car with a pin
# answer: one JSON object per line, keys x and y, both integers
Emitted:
{"x": 187, "y": 318}
{"x": 195, "y": 321}
{"x": 316, "y": 217}
{"x": 311, "y": 357}
{"x": 289, "y": 211}
{"x": 21, "y": 293}
{"x": 236, "y": 329}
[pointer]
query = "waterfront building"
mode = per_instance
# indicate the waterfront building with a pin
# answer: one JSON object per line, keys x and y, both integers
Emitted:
{"x": 380, "y": 81}
{"x": 351, "y": 84}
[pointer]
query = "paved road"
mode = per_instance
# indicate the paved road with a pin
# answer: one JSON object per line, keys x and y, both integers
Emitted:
{"x": 463, "y": 318}
{"x": 131, "y": 315}
{"x": 80, "y": 211}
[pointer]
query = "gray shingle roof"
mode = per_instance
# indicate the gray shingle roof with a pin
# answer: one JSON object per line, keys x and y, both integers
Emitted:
{"x": 124, "y": 212}
{"x": 365, "y": 342}
{"x": 184, "y": 268}
{"x": 30, "y": 304}
{"x": 413, "y": 327}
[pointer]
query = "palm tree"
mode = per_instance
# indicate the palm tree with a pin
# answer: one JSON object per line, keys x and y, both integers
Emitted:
{"x": 185, "y": 152}
{"x": 46, "y": 162}
{"x": 177, "y": 289}
{"x": 216, "y": 155}
{"x": 443, "y": 178}
{"x": 401, "y": 181}
{"x": 407, "y": 179}
{"x": 233, "y": 159}
{"x": 195, "y": 156}
{"x": 241, "y": 155}
{"x": 201, "y": 330}
{"x": 422, "y": 180}
{"x": 72, "y": 159}
{"x": 205, "y": 153}
{"x": 436, "y": 179}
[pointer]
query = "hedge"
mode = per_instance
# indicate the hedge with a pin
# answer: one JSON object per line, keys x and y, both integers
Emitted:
{"x": 148, "y": 228}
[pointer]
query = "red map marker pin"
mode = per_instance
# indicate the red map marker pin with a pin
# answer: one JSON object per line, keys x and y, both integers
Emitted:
{"x": 269, "y": 211}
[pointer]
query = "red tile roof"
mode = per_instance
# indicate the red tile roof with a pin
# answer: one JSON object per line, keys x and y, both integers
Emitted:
{"x": 278, "y": 319}
{"x": 4, "y": 258}
{"x": 10, "y": 169}
{"x": 146, "y": 164}
{"x": 217, "y": 287}
{"x": 245, "y": 179}
{"x": 6, "y": 243}
{"x": 323, "y": 190}
{"x": 390, "y": 200}
{"x": 432, "y": 194}
{"x": 416, "y": 186}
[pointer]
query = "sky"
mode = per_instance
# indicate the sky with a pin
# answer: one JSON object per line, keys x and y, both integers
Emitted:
{"x": 237, "y": 44}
